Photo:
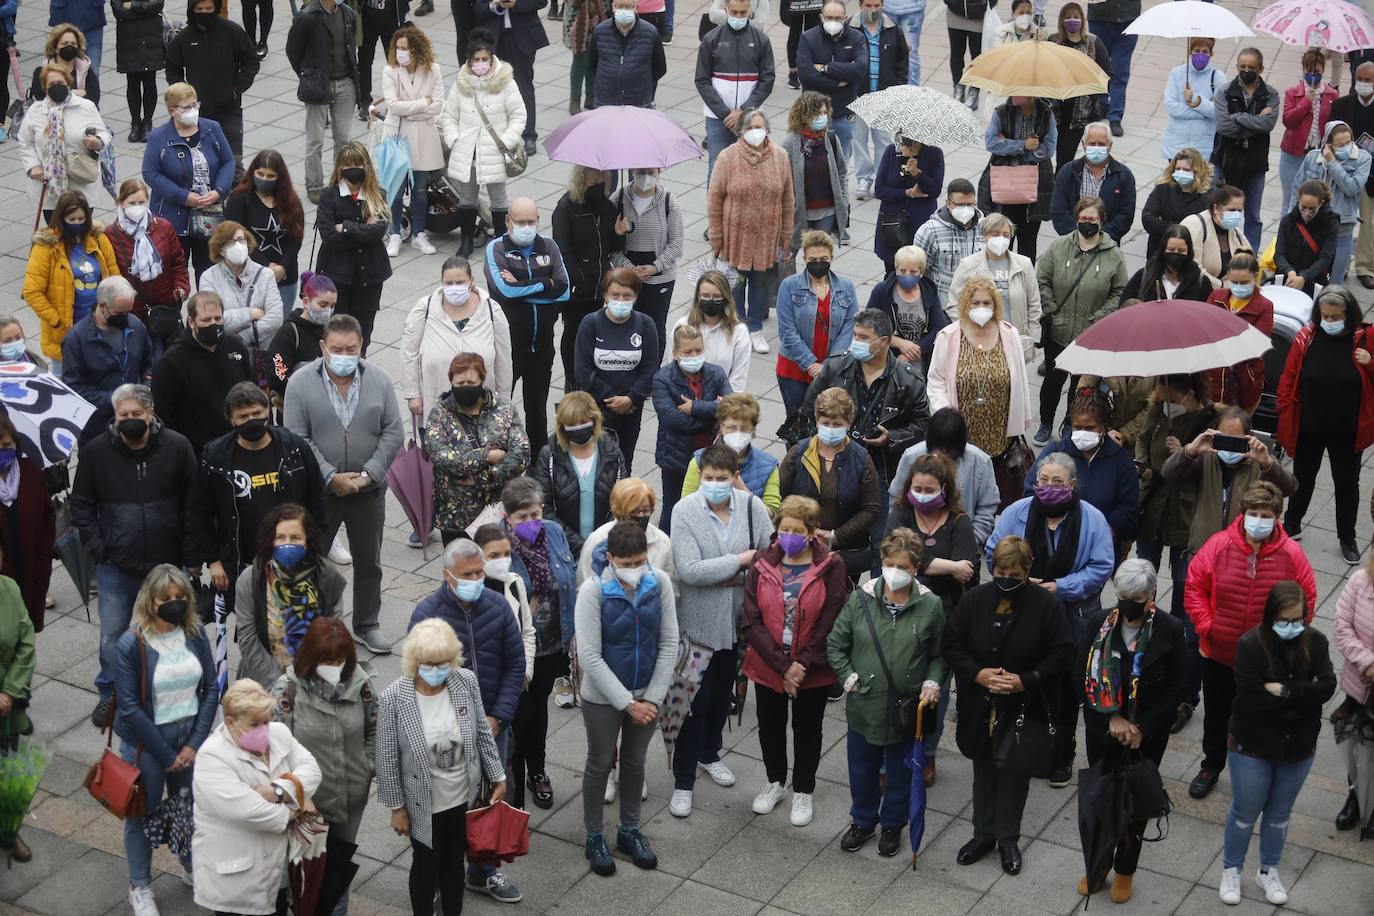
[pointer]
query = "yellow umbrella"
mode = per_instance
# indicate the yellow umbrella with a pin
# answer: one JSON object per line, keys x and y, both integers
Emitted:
{"x": 1041, "y": 69}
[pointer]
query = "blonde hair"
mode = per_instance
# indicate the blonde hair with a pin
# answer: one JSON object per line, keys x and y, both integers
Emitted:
{"x": 580, "y": 178}
{"x": 729, "y": 318}
{"x": 430, "y": 642}
{"x": 246, "y": 699}
{"x": 630, "y": 494}
{"x": 574, "y": 409}
{"x": 177, "y": 94}
{"x": 802, "y": 508}
{"x": 55, "y": 35}
{"x": 354, "y": 155}
{"x": 914, "y": 252}
{"x": 684, "y": 333}
{"x": 1202, "y": 170}
{"x": 980, "y": 284}
{"x": 156, "y": 586}
{"x": 739, "y": 405}
{"x": 817, "y": 238}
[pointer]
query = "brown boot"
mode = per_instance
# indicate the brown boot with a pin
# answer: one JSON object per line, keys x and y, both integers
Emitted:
{"x": 1083, "y": 886}
{"x": 930, "y": 773}
{"x": 1121, "y": 888}
{"x": 22, "y": 852}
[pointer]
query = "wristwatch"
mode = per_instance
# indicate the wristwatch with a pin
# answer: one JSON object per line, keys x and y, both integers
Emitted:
{"x": 281, "y": 793}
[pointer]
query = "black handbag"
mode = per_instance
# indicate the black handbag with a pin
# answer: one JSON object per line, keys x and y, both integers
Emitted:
{"x": 893, "y": 231}
{"x": 800, "y": 424}
{"x": 1149, "y": 800}
{"x": 1025, "y": 746}
{"x": 905, "y": 707}
{"x": 163, "y": 321}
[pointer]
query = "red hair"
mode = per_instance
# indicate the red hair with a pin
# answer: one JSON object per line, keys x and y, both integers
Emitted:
{"x": 465, "y": 361}
{"x": 326, "y": 638}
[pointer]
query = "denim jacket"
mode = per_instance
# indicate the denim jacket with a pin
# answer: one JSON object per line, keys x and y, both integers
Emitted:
{"x": 134, "y": 720}
{"x": 797, "y": 318}
{"x": 563, "y": 567}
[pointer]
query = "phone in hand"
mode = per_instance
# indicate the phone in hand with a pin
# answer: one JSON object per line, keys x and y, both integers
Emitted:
{"x": 1230, "y": 443}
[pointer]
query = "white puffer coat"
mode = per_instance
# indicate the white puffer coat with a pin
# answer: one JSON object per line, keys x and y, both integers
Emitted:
{"x": 466, "y": 135}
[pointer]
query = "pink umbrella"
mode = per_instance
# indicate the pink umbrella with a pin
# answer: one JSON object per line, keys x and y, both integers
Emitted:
{"x": 411, "y": 478}
{"x": 621, "y": 137}
{"x": 1157, "y": 338}
{"x": 1331, "y": 24}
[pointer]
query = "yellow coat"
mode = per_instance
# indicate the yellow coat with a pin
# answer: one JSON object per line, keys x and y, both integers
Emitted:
{"x": 48, "y": 285}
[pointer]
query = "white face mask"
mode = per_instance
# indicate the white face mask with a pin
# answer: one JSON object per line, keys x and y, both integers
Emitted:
{"x": 1085, "y": 440}
{"x": 456, "y": 293}
{"x": 1172, "y": 410}
{"x": 403, "y": 57}
{"x": 497, "y": 568}
{"x": 980, "y": 315}
{"x": 738, "y": 441}
{"x": 134, "y": 213}
{"x": 188, "y": 118}
{"x": 1023, "y": 22}
{"x": 630, "y": 575}
{"x": 646, "y": 182}
{"x": 755, "y": 136}
{"x": 832, "y": 28}
{"x": 1364, "y": 90}
{"x": 330, "y": 674}
{"x": 236, "y": 253}
{"x": 896, "y": 579}
{"x": 998, "y": 245}
{"x": 963, "y": 215}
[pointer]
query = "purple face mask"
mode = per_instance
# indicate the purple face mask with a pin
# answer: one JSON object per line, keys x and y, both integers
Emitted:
{"x": 1053, "y": 494}
{"x": 927, "y": 503}
{"x": 1073, "y": 26}
{"x": 792, "y": 544}
{"x": 529, "y": 529}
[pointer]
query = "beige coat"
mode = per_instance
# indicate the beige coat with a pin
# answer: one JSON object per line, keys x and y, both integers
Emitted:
{"x": 416, "y": 119}
{"x": 238, "y": 852}
{"x": 78, "y": 115}
{"x": 943, "y": 390}
{"x": 1206, "y": 249}
{"x": 749, "y": 205}
{"x": 1022, "y": 307}
{"x": 430, "y": 341}
{"x": 466, "y": 135}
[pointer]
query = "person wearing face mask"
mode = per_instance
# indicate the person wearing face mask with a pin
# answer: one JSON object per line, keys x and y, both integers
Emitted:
{"x": 737, "y": 419}
{"x": 1307, "y": 108}
{"x": 1071, "y": 541}
{"x": 328, "y": 701}
{"x": 816, "y": 312}
{"x": 1170, "y": 273}
{"x": 1021, "y": 132}
{"x": 725, "y": 336}
{"x": 1216, "y": 233}
{"x": 832, "y": 59}
{"x": 1021, "y": 26}
{"x": 108, "y": 348}
{"x": 297, "y": 341}
{"x": 518, "y": 37}
{"x": 252, "y": 302}
{"x": 1283, "y": 679}
{"x": 588, "y": 227}
{"x": 632, "y": 500}
{"x": 1326, "y": 404}
{"x": 577, "y": 470}
{"x": 1345, "y": 169}
{"x": 352, "y": 221}
{"x": 1012, "y": 272}
{"x": 1188, "y": 101}
{"x": 625, "y": 58}
{"x": 167, "y": 698}
{"x": 496, "y": 549}
{"x": 1229, "y": 580}
{"x": 132, "y": 503}
{"x": 907, "y": 185}
{"x": 1243, "y": 384}
{"x": 1306, "y": 243}
{"x": 322, "y": 48}
{"x": 1247, "y": 110}
{"x": 1074, "y": 115}
{"x": 909, "y": 299}
{"x": 1357, "y": 110}
{"x": 193, "y": 376}
{"x": 1135, "y": 664}
{"x": 65, "y": 46}
{"x": 18, "y": 663}
{"x": 686, "y": 393}
{"x": 734, "y": 69}
{"x": 818, "y": 169}
{"x": 265, "y": 203}
{"x": 653, "y": 246}
{"x": 413, "y": 89}
{"x": 1095, "y": 174}
{"x": 627, "y": 644}
{"x": 27, "y": 526}
{"x": 947, "y": 435}
{"x": 1181, "y": 191}
{"x": 476, "y": 442}
{"x": 216, "y": 57}
{"x": 889, "y": 57}
{"x": 149, "y": 256}
{"x": 951, "y": 234}
{"x": 616, "y": 358}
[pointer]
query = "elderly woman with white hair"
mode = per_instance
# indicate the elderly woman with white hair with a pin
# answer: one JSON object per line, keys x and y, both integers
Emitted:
{"x": 434, "y": 747}
{"x": 1136, "y": 672}
{"x": 1011, "y": 272}
{"x": 253, "y": 778}
{"x": 910, "y": 299}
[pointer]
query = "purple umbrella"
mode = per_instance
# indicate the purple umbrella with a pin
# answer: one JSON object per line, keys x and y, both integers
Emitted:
{"x": 411, "y": 478}
{"x": 621, "y": 137}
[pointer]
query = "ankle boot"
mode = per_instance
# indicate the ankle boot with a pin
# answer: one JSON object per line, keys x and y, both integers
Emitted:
{"x": 467, "y": 221}
{"x": 1121, "y": 888}
{"x": 1350, "y": 813}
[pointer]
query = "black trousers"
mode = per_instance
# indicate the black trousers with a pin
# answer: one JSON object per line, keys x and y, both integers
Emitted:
{"x": 654, "y": 300}
{"x": 531, "y": 345}
{"x": 255, "y": 12}
{"x": 283, "y": 901}
{"x": 1066, "y": 147}
{"x": 958, "y": 41}
{"x": 702, "y": 735}
{"x": 1218, "y": 693}
{"x": 574, "y": 310}
{"x": 1053, "y": 386}
{"x": 463, "y": 20}
{"x": 672, "y": 492}
{"x": 140, "y": 89}
{"x": 1339, "y": 447}
{"x": 808, "y": 714}
{"x": 1027, "y": 230}
{"x": 1071, "y": 688}
{"x": 523, "y": 65}
{"x": 376, "y": 27}
{"x": 362, "y": 302}
{"x": 626, "y": 426}
{"x": 197, "y": 253}
{"x": 999, "y": 800}
{"x": 230, "y": 120}
{"x": 440, "y": 863}
{"x": 796, "y": 24}
{"x": 530, "y": 727}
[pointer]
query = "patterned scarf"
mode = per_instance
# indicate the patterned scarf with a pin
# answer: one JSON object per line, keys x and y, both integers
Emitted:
{"x": 811, "y": 141}
{"x": 147, "y": 263}
{"x": 536, "y": 559}
{"x": 299, "y": 599}
{"x": 54, "y": 150}
{"x": 1104, "y": 681}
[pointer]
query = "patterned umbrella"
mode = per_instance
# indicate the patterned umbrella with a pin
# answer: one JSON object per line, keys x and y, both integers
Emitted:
{"x": 692, "y": 660}
{"x": 921, "y": 114}
{"x": 1331, "y": 24}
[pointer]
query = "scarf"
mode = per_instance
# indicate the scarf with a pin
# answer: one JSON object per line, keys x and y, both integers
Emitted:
{"x": 147, "y": 263}
{"x": 536, "y": 559}
{"x": 9, "y": 483}
{"x": 1057, "y": 563}
{"x": 811, "y": 141}
{"x": 299, "y": 599}
{"x": 53, "y": 149}
{"x": 1104, "y": 681}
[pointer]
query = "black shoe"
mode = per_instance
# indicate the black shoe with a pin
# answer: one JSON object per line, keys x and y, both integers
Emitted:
{"x": 262, "y": 50}
{"x": 1011, "y": 859}
{"x": 1117, "y": 130}
{"x": 554, "y": 12}
{"x": 530, "y": 149}
{"x": 143, "y": 131}
{"x": 1350, "y": 813}
{"x": 542, "y": 790}
{"x": 102, "y": 715}
{"x": 133, "y": 134}
{"x": 1185, "y": 712}
{"x": 855, "y": 837}
{"x": 1294, "y": 531}
{"x": 668, "y": 38}
{"x": 633, "y": 844}
{"x": 1041, "y": 369}
{"x": 1203, "y": 783}
{"x": 890, "y": 841}
{"x": 425, "y": 8}
{"x": 1349, "y": 552}
{"x": 362, "y": 114}
{"x": 792, "y": 81}
{"x": 1060, "y": 777}
{"x": 974, "y": 850}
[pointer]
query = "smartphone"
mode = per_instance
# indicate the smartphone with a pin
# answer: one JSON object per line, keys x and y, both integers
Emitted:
{"x": 1230, "y": 443}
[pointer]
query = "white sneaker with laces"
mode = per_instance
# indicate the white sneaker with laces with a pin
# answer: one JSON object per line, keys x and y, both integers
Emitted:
{"x": 393, "y": 245}
{"x": 421, "y": 243}
{"x": 720, "y": 773}
{"x": 801, "y": 809}
{"x": 338, "y": 553}
{"x": 1273, "y": 888}
{"x": 760, "y": 342}
{"x": 768, "y": 799}
{"x": 681, "y": 804}
{"x": 611, "y": 779}
{"x": 143, "y": 901}
{"x": 1229, "y": 891}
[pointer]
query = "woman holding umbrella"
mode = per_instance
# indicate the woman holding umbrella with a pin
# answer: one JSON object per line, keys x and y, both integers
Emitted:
{"x": 908, "y": 182}
{"x": 413, "y": 87}
{"x": 1022, "y": 132}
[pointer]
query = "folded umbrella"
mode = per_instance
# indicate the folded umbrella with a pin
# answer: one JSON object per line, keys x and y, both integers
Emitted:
{"x": 497, "y": 833}
{"x": 1104, "y": 814}
{"x": 621, "y": 137}
{"x": 339, "y": 871}
{"x": 919, "y": 113}
{"x": 1331, "y": 24}
{"x": 391, "y": 159}
{"x": 411, "y": 478}
{"x": 75, "y": 559}
{"x": 1168, "y": 336}
{"x": 692, "y": 660}
{"x": 1038, "y": 68}
{"x": 916, "y": 806}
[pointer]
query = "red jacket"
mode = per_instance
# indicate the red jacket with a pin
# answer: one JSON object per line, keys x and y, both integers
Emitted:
{"x": 823, "y": 592}
{"x": 1243, "y": 383}
{"x": 159, "y": 290}
{"x": 1290, "y": 406}
{"x": 1297, "y": 117}
{"x": 37, "y": 529}
{"x": 1228, "y": 585}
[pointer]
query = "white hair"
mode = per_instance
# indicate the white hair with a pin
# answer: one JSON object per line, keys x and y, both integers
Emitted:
{"x": 112, "y": 289}
{"x": 1062, "y": 460}
{"x": 1136, "y": 579}
{"x": 132, "y": 392}
{"x": 460, "y": 549}
{"x": 1099, "y": 125}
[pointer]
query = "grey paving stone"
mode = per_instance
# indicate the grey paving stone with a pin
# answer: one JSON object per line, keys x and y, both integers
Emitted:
{"x": 836, "y": 882}
{"x": 629, "y": 890}
{"x": 918, "y": 894}
{"x": 692, "y": 899}
{"x": 83, "y": 885}
{"x": 757, "y": 863}
{"x": 1329, "y": 886}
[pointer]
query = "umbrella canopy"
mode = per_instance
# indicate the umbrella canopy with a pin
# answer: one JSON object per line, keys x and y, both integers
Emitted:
{"x": 1189, "y": 19}
{"x": 1331, "y": 24}
{"x": 1104, "y": 814}
{"x": 621, "y": 137}
{"x": 48, "y": 415}
{"x": 921, "y": 114}
{"x": 692, "y": 660}
{"x": 411, "y": 478}
{"x": 391, "y": 159}
{"x": 1040, "y": 68}
{"x": 1171, "y": 335}
{"x": 916, "y": 806}
{"x": 497, "y": 833}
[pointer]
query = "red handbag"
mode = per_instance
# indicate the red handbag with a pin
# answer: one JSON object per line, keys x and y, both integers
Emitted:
{"x": 112, "y": 781}
{"x": 1014, "y": 184}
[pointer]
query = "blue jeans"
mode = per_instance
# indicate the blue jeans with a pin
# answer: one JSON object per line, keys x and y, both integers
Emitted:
{"x": 669, "y": 7}
{"x": 844, "y": 129}
{"x": 910, "y": 24}
{"x": 1253, "y": 189}
{"x": 287, "y": 291}
{"x": 1260, "y": 786}
{"x": 793, "y": 393}
{"x": 158, "y": 785}
{"x": 756, "y": 287}
{"x": 865, "y": 760}
{"x": 718, "y": 138}
{"x": 419, "y": 205}
{"x": 118, "y": 590}
{"x": 868, "y": 151}
{"x": 1288, "y": 170}
{"x": 480, "y": 873}
{"x": 1153, "y": 553}
{"x": 95, "y": 47}
{"x": 1345, "y": 244}
{"x": 1120, "y": 47}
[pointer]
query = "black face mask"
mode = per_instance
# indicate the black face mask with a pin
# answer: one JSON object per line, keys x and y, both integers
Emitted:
{"x": 1132, "y": 609}
{"x": 174, "y": 611}
{"x": 818, "y": 269}
{"x": 252, "y": 430}
{"x": 1008, "y": 583}
{"x": 75, "y": 230}
{"x": 132, "y": 429}
{"x": 580, "y": 435}
{"x": 204, "y": 20}
{"x": 641, "y": 520}
{"x": 712, "y": 308}
{"x": 467, "y": 395}
{"x": 58, "y": 93}
{"x": 354, "y": 175}
{"x": 1248, "y": 77}
{"x": 1089, "y": 230}
{"x": 265, "y": 185}
{"x": 69, "y": 53}
{"x": 209, "y": 336}
{"x": 1174, "y": 260}
{"x": 118, "y": 322}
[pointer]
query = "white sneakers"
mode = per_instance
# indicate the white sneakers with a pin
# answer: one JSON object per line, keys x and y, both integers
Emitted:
{"x": 863, "y": 190}
{"x": 1229, "y": 891}
{"x": 720, "y": 773}
{"x": 420, "y": 242}
{"x": 338, "y": 553}
{"x": 681, "y": 803}
{"x": 1273, "y": 888}
{"x": 393, "y": 245}
{"x": 768, "y": 799}
{"x": 760, "y": 342}
{"x": 614, "y": 778}
{"x": 801, "y": 809}
{"x": 143, "y": 901}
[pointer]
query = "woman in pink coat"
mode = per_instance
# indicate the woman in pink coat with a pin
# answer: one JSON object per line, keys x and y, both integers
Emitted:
{"x": 1354, "y": 633}
{"x": 1306, "y": 109}
{"x": 414, "y": 91}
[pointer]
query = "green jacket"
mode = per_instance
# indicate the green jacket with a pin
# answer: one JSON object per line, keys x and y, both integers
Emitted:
{"x": 1072, "y": 308}
{"x": 911, "y": 645}
{"x": 339, "y": 726}
{"x": 18, "y": 652}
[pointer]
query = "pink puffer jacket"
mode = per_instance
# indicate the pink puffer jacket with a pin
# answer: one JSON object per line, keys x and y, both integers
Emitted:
{"x": 1354, "y": 632}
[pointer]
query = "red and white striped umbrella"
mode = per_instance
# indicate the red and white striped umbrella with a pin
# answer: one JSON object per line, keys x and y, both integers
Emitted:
{"x": 1159, "y": 338}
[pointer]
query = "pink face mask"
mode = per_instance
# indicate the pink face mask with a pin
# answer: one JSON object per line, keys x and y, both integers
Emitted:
{"x": 481, "y": 67}
{"x": 255, "y": 740}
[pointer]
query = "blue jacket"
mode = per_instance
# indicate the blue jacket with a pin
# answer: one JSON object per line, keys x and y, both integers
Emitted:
{"x": 890, "y": 187}
{"x": 541, "y": 278}
{"x": 167, "y": 169}
{"x": 797, "y": 318}
{"x": 675, "y": 429}
{"x": 92, "y": 368}
{"x": 563, "y": 567}
{"x": 1110, "y": 482}
{"x": 8, "y": 10}
{"x": 629, "y": 627}
{"x": 86, "y": 15}
{"x": 1191, "y": 127}
{"x": 625, "y": 69}
{"x": 1092, "y": 564}
{"x": 492, "y": 646}
{"x": 846, "y": 61}
{"x": 1118, "y": 193}
{"x": 758, "y": 466}
{"x": 134, "y": 723}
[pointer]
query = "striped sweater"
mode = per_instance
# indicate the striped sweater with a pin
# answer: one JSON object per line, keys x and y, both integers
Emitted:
{"x": 657, "y": 231}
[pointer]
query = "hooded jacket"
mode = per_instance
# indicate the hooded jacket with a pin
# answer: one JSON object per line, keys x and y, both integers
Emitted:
{"x": 472, "y": 152}
{"x": 49, "y": 288}
{"x": 191, "y": 382}
{"x": 296, "y": 343}
{"x": 338, "y": 724}
{"x": 1071, "y": 303}
{"x": 492, "y": 646}
{"x": 1345, "y": 177}
{"x": 310, "y": 50}
{"x": 554, "y": 472}
{"x": 823, "y": 592}
{"x": 220, "y": 62}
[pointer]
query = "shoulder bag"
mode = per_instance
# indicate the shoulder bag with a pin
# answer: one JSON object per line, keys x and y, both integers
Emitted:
{"x": 905, "y": 707}
{"x": 514, "y": 158}
{"x": 1025, "y": 746}
{"x": 112, "y": 781}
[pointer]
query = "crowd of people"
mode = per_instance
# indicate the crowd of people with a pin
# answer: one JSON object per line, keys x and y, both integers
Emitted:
{"x": 906, "y": 544}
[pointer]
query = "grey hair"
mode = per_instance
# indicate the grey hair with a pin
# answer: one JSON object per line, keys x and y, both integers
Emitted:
{"x": 132, "y": 392}
{"x": 1136, "y": 579}
{"x": 6, "y": 320}
{"x": 996, "y": 222}
{"x": 113, "y": 288}
{"x": 748, "y": 115}
{"x": 461, "y": 549}
{"x": 1100, "y": 125}
{"x": 1063, "y": 460}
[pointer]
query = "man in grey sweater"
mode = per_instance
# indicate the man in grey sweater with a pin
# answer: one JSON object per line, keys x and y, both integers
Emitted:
{"x": 347, "y": 410}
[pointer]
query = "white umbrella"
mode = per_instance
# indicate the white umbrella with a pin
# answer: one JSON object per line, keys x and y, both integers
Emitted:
{"x": 1189, "y": 19}
{"x": 918, "y": 113}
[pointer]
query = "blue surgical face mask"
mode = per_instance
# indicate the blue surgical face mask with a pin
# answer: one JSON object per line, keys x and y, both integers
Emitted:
{"x": 820, "y": 122}
{"x": 691, "y": 364}
{"x": 1259, "y": 528}
{"x": 1345, "y": 152}
{"x": 860, "y": 350}
{"x": 1095, "y": 154}
{"x": 624, "y": 17}
{"x": 737, "y": 24}
{"x": 1230, "y": 457}
{"x": 342, "y": 364}
{"x": 716, "y": 491}
{"x": 468, "y": 590}
{"x": 1334, "y": 327}
{"x": 620, "y": 309}
{"x": 288, "y": 556}
{"x": 1288, "y": 629}
{"x": 831, "y": 435}
{"x": 908, "y": 281}
{"x": 523, "y": 235}
{"x": 1184, "y": 179}
{"x": 1231, "y": 220}
{"x": 435, "y": 675}
{"x": 1242, "y": 290}
{"x": 13, "y": 350}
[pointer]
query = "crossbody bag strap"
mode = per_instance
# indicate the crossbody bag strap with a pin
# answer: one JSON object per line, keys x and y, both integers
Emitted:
{"x": 487, "y": 124}
{"x": 1307, "y": 236}
{"x": 877, "y": 644}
